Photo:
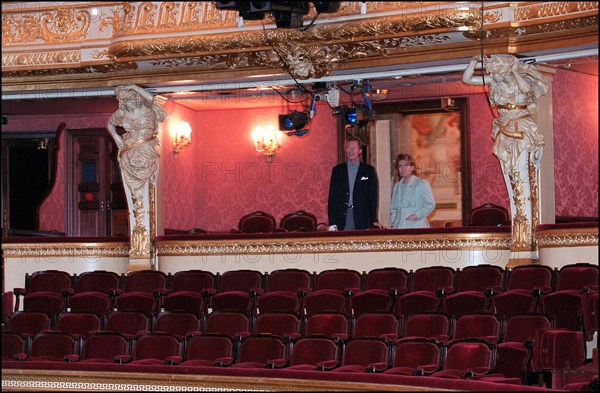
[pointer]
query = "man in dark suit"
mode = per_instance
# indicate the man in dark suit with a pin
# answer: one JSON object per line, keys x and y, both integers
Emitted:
{"x": 353, "y": 191}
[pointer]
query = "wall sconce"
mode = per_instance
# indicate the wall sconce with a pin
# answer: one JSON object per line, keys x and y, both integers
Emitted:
{"x": 267, "y": 140}
{"x": 183, "y": 136}
{"x": 379, "y": 94}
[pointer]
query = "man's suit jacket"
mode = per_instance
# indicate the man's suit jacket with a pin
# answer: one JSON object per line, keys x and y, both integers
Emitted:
{"x": 364, "y": 196}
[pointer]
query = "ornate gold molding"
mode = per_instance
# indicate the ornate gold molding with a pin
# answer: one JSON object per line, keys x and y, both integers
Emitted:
{"x": 568, "y": 238}
{"x": 315, "y": 245}
{"x": 54, "y": 250}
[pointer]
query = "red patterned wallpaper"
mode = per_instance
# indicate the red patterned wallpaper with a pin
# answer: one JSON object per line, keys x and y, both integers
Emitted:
{"x": 575, "y": 105}
{"x": 220, "y": 177}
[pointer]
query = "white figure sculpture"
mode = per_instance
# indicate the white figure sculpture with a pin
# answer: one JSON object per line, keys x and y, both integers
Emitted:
{"x": 139, "y": 115}
{"x": 514, "y": 88}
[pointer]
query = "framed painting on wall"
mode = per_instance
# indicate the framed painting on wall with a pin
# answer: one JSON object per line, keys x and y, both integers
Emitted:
{"x": 435, "y": 134}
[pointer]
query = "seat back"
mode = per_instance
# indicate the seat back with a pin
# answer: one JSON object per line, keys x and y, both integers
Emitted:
{"x": 530, "y": 277}
{"x": 313, "y": 350}
{"x": 365, "y": 351}
{"x": 53, "y": 346}
{"x": 144, "y": 281}
{"x": 470, "y": 354}
{"x": 479, "y": 278}
{"x": 523, "y": 327}
{"x": 257, "y": 222}
{"x": 48, "y": 281}
{"x": 261, "y": 349}
{"x": 208, "y": 348}
{"x": 29, "y": 323}
{"x": 15, "y": 344}
{"x": 158, "y": 346}
{"x": 227, "y": 323}
{"x": 98, "y": 281}
{"x": 278, "y": 324}
{"x": 180, "y": 324}
{"x": 299, "y": 221}
{"x": 489, "y": 214}
{"x": 417, "y": 353}
{"x": 483, "y": 326}
{"x": 387, "y": 278}
{"x": 338, "y": 279}
{"x": 590, "y": 314}
{"x": 104, "y": 347}
{"x": 432, "y": 278}
{"x": 78, "y": 324}
{"x": 577, "y": 276}
{"x": 377, "y": 325}
{"x": 242, "y": 280}
{"x": 327, "y": 324}
{"x": 128, "y": 323}
{"x": 191, "y": 280}
{"x": 289, "y": 280}
{"x": 430, "y": 325}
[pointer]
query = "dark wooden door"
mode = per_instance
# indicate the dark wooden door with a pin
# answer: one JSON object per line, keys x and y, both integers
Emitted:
{"x": 97, "y": 202}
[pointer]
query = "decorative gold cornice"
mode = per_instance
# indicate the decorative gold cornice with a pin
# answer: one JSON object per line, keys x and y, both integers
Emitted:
{"x": 529, "y": 12}
{"x": 567, "y": 237}
{"x": 316, "y": 245}
{"x": 53, "y": 250}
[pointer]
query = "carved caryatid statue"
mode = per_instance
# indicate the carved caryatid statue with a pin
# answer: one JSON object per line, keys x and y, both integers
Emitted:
{"x": 139, "y": 115}
{"x": 514, "y": 88}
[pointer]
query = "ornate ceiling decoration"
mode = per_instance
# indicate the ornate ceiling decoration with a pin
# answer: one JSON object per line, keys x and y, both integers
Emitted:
{"x": 168, "y": 41}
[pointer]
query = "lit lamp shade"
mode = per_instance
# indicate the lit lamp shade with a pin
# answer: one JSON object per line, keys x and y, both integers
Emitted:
{"x": 266, "y": 140}
{"x": 183, "y": 136}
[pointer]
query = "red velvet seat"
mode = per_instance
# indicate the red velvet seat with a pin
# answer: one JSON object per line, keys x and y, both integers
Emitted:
{"x": 466, "y": 358}
{"x": 231, "y": 324}
{"x": 128, "y": 323}
{"x": 299, "y": 221}
{"x": 430, "y": 325}
{"x": 78, "y": 324}
{"x": 15, "y": 346}
{"x": 475, "y": 286}
{"x": 525, "y": 285}
{"x": 362, "y": 355}
{"x": 208, "y": 350}
{"x": 180, "y": 324}
{"x": 334, "y": 325}
{"x": 45, "y": 291}
{"x": 106, "y": 347}
{"x": 332, "y": 288}
{"x": 258, "y": 351}
{"x": 427, "y": 287}
{"x": 590, "y": 314}
{"x": 415, "y": 354}
{"x": 29, "y": 323}
{"x": 384, "y": 325}
{"x": 284, "y": 289}
{"x": 157, "y": 348}
{"x": 142, "y": 291}
{"x": 484, "y": 326}
{"x": 188, "y": 291}
{"x": 52, "y": 346}
{"x": 95, "y": 292}
{"x": 381, "y": 287}
{"x": 237, "y": 291}
{"x": 278, "y": 324}
{"x": 308, "y": 352}
{"x": 577, "y": 276}
{"x": 558, "y": 349}
{"x": 257, "y": 222}
{"x": 7, "y": 305}
{"x": 489, "y": 214}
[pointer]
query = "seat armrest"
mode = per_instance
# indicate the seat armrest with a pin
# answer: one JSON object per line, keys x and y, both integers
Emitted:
{"x": 71, "y": 358}
{"x": 341, "y": 337}
{"x": 376, "y": 367}
{"x": 442, "y": 338}
{"x": 224, "y": 361}
{"x": 241, "y": 335}
{"x": 115, "y": 292}
{"x": 20, "y": 356}
{"x": 327, "y": 365}
{"x": 20, "y": 291}
{"x": 476, "y": 371}
{"x": 425, "y": 370}
{"x": 208, "y": 292}
{"x": 303, "y": 292}
{"x": 121, "y": 359}
{"x": 351, "y": 291}
{"x": 254, "y": 292}
{"x": 172, "y": 360}
{"x": 389, "y": 337}
{"x": 292, "y": 336}
{"x": 441, "y": 291}
{"x": 158, "y": 292}
{"x": 276, "y": 363}
{"x": 68, "y": 292}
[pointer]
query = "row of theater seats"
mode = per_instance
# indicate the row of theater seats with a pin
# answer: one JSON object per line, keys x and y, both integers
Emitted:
{"x": 569, "y": 294}
{"x": 469, "y": 358}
